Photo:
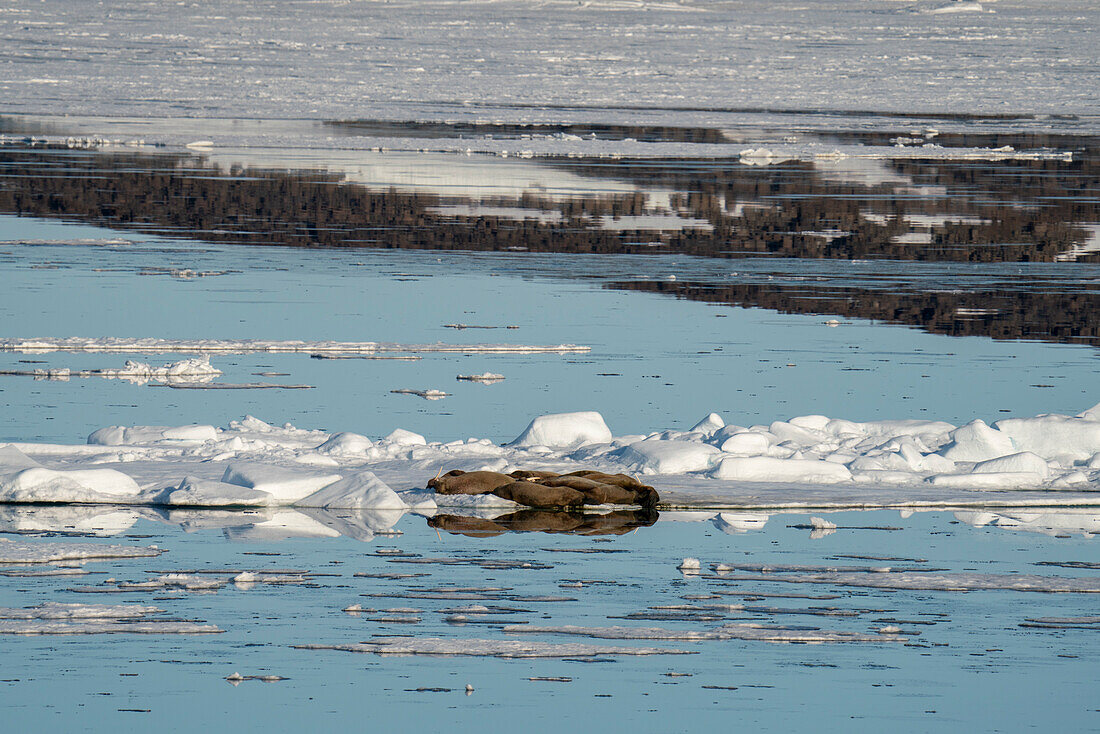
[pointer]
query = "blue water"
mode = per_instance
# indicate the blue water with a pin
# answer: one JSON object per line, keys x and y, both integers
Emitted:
{"x": 973, "y": 669}
{"x": 655, "y": 362}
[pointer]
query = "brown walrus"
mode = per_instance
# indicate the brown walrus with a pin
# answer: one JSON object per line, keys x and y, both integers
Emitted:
{"x": 598, "y": 492}
{"x": 538, "y": 495}
{"x": 619, "y": 480}
{"x": 548, "y": 489}
{"x": 526, "y": 474}
{"x": 457, "y": 481}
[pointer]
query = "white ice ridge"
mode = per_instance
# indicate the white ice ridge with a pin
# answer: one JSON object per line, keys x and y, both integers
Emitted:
{"x": 53, "y": 618}
{"x": 242, "y": 346}
{"x": 804, "y": 462}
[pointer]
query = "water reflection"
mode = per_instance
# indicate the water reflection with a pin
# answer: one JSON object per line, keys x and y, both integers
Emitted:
{"x": 956, "y": 211}
{"x": 283, "y": 523}
{"x": 617, "y": 522}
{"x": 903, "y": 209}
{"x": 1018, "y": 308}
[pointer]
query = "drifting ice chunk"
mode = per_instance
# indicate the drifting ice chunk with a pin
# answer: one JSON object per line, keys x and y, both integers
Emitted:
{"x": 668, "y": 457}
{"x": 284, "y": 485}
{"x": 1025, "y": 461}
{"x": 768, "y": 469}
{"x": 1051, "y": 436}
{"x": 565, "y": 429}
{"x": 122, "y": 436}
{"x": 689, "y": 567}
{"x": 709, "y": 425}
{"x": 204, "y": 493}
{"x": 976, "y": 441}
{"x": 359, "y": 491}
{"x": 731, "y": 523}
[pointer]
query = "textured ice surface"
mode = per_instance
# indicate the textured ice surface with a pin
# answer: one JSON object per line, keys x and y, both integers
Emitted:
{"x": 1002, "y": 58}
{"x": 53, "y": 618}
{"x": 26, "y": 551}
{"x": 807, "y": 461}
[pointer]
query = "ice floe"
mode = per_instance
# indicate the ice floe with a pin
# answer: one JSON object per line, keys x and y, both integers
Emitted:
{"x": 194, "y": 370}
{"x": 806, "y": 461}
{"x": 53, "y": 618}
{"x": 923, "y": 581}
{"x": 152, "y": 345}
{"x": 733, "y": 631}
{"x": 490, "y": 648}
{"x": 28, "y": 552}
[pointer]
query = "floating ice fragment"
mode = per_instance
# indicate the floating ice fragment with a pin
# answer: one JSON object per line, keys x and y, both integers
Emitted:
{"x": 490, "y": 648}
{"x": 484, "y": 377}
{"x": 689, "y": 567}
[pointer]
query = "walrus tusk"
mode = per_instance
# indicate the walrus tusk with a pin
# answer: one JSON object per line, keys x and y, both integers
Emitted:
{"x": 439, "y": 473}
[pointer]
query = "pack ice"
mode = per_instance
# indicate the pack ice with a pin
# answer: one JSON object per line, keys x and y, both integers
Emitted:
{"x": 1046, "y": 459}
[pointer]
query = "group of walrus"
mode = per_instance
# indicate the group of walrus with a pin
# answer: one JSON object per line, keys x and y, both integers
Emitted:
{"x": 546, "y": 489}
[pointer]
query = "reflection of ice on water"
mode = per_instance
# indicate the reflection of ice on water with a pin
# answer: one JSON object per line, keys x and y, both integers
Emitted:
{"x": 1054, "y": 523}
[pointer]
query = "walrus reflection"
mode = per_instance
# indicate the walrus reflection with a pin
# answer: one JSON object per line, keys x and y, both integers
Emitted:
{"x": 617, "y": 522}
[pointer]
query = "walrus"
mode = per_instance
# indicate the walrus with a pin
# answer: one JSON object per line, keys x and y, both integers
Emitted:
{"x": 457, "y": 481}
{"x": 598, "y": 492}
{"x": 538, "y": 495}
{"x": 619, "y": 480}
{"x": 526, "y": 474}
{"x": 578, "y": 483}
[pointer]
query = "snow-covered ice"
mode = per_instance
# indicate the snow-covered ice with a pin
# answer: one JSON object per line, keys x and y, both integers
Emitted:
{"x": 807, "y": 461}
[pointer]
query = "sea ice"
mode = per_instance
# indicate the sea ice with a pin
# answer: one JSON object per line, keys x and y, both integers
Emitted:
{"x": 763, "y": 468}
{"x": 359, "y": 491}
{"x": 490, "y": 648}
{"x": 667, "y": 457}
{"x": 284, "y": 485}
{"x": 564, "y": 430}
{"x": 26, "y": 552}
